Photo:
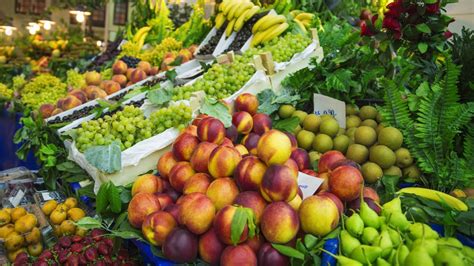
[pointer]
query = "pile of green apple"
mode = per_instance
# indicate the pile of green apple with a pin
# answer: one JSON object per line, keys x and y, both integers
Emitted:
{"x": 391, "y": 239}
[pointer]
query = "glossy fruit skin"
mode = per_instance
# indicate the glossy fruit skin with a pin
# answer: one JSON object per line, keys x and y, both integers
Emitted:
{"x": 267, "y": 255}
{"x": 181, "y": 246}
{"x": 238, "y": 255}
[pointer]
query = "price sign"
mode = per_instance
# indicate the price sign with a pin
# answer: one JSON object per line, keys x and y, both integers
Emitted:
{"x": 324, "y": 105}
{"x": 308, "y": 184}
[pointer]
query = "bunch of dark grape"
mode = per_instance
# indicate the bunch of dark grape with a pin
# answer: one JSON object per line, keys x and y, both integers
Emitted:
{"x": 130, "y": 61}
{"x": 211, "y": 45}
{"x": 244, "y": 34}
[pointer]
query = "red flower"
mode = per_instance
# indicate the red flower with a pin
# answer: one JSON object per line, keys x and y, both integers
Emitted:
{"x": 395, "y": 9}
{"x": 448, "y": 34}
{"x": 432, "y": 8}
{"x": 393, "y": 25}
{"x": 365, "y": 29}
{"x": 374, "y": 18}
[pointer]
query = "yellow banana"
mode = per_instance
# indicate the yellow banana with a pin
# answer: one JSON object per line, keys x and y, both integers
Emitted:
{"x": 239, "y": 23}
{"x": 223, "y": 5}
{"x": 229, "y": 6}
{"x": 230, "y": 28}
{"x": 256, "y": 39}
{"x": 437, "y": 196}
{"x": 141, "y": 41}
{"x": 242, "y": 9}
{"x": 274, "y": 32}
{"x": 259, "y": 23}
{"x": 305, "y": 16}
{"x": 300, "y": 25}
{"x": 306, "y": 23}
{"x": 273, "y": 20}
{"x": 295, "y": 13}
{"x": 220, "y": 19}
{"x": 232, "y": 11}
{"x": 250, "y": 13}
{"x": 140, "y": 32}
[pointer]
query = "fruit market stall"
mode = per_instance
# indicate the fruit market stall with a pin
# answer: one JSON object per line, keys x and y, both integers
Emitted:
{"x": 249, "y": 133}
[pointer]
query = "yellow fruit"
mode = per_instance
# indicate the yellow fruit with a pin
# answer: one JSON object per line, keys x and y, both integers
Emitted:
{"x": 62, "y": 207}
{"x": 6, "y": 230}
{"x": 4, "y": 217}
{"x": 17, "y": 213}
{"x": 81, "y": 231}
{"x": 26, "y": 223}
{"x": 8, "y": 210}
{"x": 58, "y": 216}
{"x": 49, "y": 207}
{"x": 35, "y": 249}
{"x": 67, "y": 228}
{"x": 14, "y": 241}
{"x": 76, "y": 214}
{"x": 71, "y": 202}
{"x": 34, "y": 236}
{"x": 56, "y": 230}
{"x": 12, "y": 254}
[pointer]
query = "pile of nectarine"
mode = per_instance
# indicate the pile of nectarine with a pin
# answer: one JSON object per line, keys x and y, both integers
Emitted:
{"x": 211, "y": 171}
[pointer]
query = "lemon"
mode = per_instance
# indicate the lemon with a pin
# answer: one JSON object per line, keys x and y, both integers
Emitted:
{"x": 49, "y": 207}
{"x": 76, "y": 214}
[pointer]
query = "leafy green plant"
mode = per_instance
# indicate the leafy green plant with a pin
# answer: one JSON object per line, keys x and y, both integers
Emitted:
{"x": 462, "y": 47}
{"x": 433, "y": 132}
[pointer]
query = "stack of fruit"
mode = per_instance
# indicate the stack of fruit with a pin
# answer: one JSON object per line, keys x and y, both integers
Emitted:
{"x": 391, "y": 239}
{"x": 376, "y": 147}
{"x": 63, "y": 216}
{"x": 282, "y": 48}
{"x": 236, "y": 13}
{"x": 130, "y": 126}
{"x": 42, "y": 89}
{"x": 91, "y": 249}
{"x": 213, "y": 175}
{"x": 95, "y": 87}
{"x": 5, "y": 92}
{"x": 302, "y": 19}
{"x": 268, "y": 28}
{"x": 19, "y": 232}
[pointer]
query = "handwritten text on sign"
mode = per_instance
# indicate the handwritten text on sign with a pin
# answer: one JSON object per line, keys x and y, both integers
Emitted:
{"x": 324, "y": 105}
{"x": 308, "y": 184}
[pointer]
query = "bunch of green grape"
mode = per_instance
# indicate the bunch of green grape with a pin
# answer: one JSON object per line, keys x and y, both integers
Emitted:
{"x": 220, "y": 81}
{"x": 43, "y": 89}
{"x": 5, "y": 92}
{"x": 176, "y": 116}
{"x": 106, "y": 74}
{"x": 19, "y": 82}
{"x": 75, "y": 79}
{"x": 130, "y": 126}
{"x": 155, "y": 55}
{"x": 282, "y": 48}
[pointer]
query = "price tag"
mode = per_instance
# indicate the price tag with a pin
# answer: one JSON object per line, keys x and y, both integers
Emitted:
{"x": 308, "y": 184}
{"x": 324, "y": 105}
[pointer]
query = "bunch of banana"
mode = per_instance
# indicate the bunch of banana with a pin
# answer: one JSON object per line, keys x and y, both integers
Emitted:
{"x": 236, "y": 12}
{"x": 267, "y": 28}
{"x": 140, "y": 35}
{"x": 437, "y": 196}
{"x": 302, "y": 19}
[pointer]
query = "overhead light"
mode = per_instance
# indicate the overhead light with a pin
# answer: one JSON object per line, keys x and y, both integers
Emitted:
{"x": 31, "y": 30}
{"x": 8, "y": 30}
{"x": 80, "y": 13}
{"x": 99, "y": 43}
{"x": 47, "y": 24}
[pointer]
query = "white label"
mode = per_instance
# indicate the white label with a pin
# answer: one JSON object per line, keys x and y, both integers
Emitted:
{"x": 324, "y": 105}
{"x": 17, "y": 198}
{"x": 46, "y": 196}
{"x": 308, "y": 184}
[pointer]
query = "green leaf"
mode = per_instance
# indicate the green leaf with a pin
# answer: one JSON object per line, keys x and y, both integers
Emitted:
{"x": 423, "y": 28}
{"x": 288, "y": 124}
{"x": 310, "y": 241}
{"x": 238, "y": 224}
{"x": 89, "y": 223}
{"x": 102, "y": 199}
{"x": 422, "y": 47}
{"x": 125, "y": 196}
{"x": 159, "y": 96}
{"x": 171, "y": 75}
{"x": 127, "y": 235}
{"x": 430, "y": 1}
{"x": 217, "y": 110}
{"x": 288, "y": 251}
{"x": 115, "y": 202}
{"x": 300, "y": 247}
{"x": 106, "y": 158}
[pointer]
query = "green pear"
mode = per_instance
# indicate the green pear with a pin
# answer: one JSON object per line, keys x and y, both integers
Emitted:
{"x": 448, "y": 257}
{"x": 418, "y": 257}
{"x": 366, "y": 254}
{"x": 344, "y": 261}
{"x": 384, "y": 242}
{"x": 348, "y": 242}
{"x": 369, "y": 216}
{"x": 402, "y": 253}
{"x": 382, "y": 262}
{"x": 468, "y": 252}
{"x": 450, "y": 242}
{"x": 392, "y": 206}
{"x": 394, "y": 236}
{"x": 420, "y": 230}
{"x": 369, "y": 235}
{"x": 398, "y": 221}
{"x": 392, "y": 258}
{"x": 430, "y": 245}
{"x": 355, "y": 225}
